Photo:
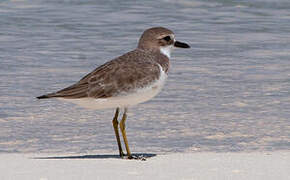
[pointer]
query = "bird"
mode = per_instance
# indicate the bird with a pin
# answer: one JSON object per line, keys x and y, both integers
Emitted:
{"x": 132, "y": 78}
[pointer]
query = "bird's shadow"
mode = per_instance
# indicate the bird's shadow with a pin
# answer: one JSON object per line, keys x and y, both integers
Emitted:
{"x": 137, "y": 156}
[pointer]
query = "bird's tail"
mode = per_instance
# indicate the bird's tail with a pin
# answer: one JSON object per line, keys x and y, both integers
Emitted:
{"x": 71, "y": 92}
{"x": 51, "y": 95}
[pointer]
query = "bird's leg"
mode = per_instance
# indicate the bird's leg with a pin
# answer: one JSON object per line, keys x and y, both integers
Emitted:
{"x": 122, "y": 128}
{"x": 115, "y": 125}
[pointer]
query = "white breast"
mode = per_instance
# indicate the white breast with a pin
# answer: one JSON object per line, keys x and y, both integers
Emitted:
{"x": 126, "y": 100}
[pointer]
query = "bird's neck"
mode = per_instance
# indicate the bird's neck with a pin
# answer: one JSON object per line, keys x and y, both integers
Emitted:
{"x": 158, "y": 56}
{"x": 166, "y": 50}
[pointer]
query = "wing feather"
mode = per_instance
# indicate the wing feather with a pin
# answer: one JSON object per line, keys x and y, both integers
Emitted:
{"x": 121, "y": 75}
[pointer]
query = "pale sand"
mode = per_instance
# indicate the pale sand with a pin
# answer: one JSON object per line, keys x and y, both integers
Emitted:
{"x": 179, "y": 166}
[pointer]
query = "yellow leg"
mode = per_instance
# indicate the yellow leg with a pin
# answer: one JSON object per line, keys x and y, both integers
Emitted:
{"x": 115, "y": 125}
{"x": 122, "y": 128}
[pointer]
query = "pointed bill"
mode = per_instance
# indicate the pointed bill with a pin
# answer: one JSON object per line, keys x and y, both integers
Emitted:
{"x": 181, "y": 44}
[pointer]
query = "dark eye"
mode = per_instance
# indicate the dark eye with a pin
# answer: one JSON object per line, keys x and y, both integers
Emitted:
{"x": 167, "y": 38}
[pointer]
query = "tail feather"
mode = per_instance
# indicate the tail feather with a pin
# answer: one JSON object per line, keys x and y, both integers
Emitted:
{"x": 63, "y": 94}
{"x": 74, "y": 91}
{"x": 44, "y": 96}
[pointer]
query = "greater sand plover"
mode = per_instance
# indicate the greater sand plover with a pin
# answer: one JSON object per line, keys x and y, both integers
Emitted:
{"x": 130, "y": 79}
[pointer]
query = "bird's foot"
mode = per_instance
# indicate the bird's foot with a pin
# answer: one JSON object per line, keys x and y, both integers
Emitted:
{"x": 136, "y": 157}
{"x": 121, "y": 154}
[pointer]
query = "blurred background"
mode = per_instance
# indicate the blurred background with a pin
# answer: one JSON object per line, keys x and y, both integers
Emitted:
{"x": 229, "y": 92}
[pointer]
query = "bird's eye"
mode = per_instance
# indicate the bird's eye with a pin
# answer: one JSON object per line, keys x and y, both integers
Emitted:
{"x": 167, "y": 38}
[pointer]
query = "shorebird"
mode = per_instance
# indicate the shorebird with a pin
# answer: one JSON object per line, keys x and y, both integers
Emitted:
{"x": 130, "y": 79}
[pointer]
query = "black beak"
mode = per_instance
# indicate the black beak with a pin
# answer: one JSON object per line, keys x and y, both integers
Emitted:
{"x": 181, "y": 44}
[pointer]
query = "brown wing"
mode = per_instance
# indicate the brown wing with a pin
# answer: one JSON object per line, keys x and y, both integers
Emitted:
{"x": 121, "y": 75}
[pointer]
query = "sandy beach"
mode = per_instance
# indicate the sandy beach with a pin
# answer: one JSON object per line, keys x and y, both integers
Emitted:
{"x": 183, "y": 166}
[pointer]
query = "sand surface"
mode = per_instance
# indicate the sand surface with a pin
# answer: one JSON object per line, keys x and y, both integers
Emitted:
{"x": 183, "y": 166}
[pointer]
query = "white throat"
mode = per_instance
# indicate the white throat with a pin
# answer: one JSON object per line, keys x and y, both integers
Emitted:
{"x": 166, "y": 50}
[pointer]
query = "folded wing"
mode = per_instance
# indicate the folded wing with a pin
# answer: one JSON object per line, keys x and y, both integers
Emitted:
{"x": 119, "y": 76}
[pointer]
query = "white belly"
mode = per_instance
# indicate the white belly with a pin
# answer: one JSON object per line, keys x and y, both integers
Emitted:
{"x": 126, "y": 100}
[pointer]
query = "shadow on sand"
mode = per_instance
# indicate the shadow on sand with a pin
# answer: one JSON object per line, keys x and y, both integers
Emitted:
{"x": 100, "y": 156}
